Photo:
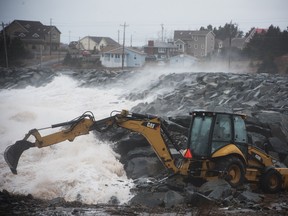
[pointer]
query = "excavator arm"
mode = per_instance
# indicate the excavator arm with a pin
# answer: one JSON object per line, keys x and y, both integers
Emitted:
{"x": 151, "y": 127}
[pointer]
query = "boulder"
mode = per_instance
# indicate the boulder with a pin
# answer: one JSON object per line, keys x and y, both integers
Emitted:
{"x": 148, "y": 199}
{"x": 248, "y": 196}
{"x": 172, "y": 199}
{"x": 143, "y": 167}
{"x": 168, "y": 199}
{"x": 196, "y": 199}
{"x": 216, "y": 189}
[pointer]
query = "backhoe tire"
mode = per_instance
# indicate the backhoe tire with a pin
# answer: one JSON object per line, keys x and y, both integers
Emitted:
{"x": 271, "y": 181}
{"x": 233, "y": 170}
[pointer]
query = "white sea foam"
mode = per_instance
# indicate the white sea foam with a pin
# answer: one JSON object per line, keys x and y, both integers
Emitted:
{"x": 86, "y": 170}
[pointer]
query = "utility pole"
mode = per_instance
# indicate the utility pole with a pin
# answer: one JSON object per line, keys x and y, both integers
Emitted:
{"x": 79, "y": 43}
{"x": 50, "y": 36}
{"x": 88, "y": 42}
{"x": 5, "y": 45}
{"x": 69, "y": 36}
{"x": 118, "y": 36}
{"x": 229, "y": 50}
{"x": 41, "y": 56}
{"x": 123, "y": 50}
{"x": 162, "y": 27}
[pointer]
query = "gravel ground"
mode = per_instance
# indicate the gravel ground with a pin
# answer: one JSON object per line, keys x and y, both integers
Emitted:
{"x": 27, "y": 205}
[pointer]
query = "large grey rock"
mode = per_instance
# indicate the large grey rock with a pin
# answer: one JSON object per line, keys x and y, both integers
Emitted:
{"x": 172, "y": 199}
{"x": 145, "y": 151}
{"x": 210, "y": 186}
{"x": 143, "y": 167}
{"x": 197, "y": 199}
{"x": 249, "y": 196}
{"x": 221, "y": 192}
{"x": 148, "y": 199}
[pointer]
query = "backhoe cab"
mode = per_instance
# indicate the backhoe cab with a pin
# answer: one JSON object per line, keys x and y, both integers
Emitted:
{"x": 217, "y": 146}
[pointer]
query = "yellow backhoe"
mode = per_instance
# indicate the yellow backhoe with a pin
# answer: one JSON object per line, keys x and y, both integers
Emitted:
{"x": 217, "y": 146}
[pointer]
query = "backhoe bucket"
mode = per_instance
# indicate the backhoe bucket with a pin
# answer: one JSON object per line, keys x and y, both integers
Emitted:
{"x": 13, "y": 152}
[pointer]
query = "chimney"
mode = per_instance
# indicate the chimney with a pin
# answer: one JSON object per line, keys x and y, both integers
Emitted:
{"x": 151, "y": 43}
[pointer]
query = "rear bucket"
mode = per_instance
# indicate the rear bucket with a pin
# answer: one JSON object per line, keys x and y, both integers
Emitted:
{"x": 13, "y": 152}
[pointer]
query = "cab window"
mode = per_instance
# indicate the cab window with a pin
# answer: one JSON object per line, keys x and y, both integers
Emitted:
{"x": 222, "y": 133}
{"x": 200, "y": 131}
{"x": 240, "y": 130}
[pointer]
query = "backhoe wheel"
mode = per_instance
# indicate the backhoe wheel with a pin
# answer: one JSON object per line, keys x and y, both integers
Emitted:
{"x": 233, "y": 170}
{"x": 271, "y": 181}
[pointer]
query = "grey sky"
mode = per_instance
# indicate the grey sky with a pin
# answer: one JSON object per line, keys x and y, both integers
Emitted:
{"x": 79, "y": 18}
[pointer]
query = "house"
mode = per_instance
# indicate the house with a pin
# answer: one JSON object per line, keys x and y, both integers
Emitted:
{"x": 195, "y": 43}
{"x": 96, "y": 44}
{"x": 182, "y": 60}
{"x": 159, "y": 51}
{"x": 241, "y": 43}
{"x": 113, "y": 57}
{"x": 34, "y": 35}
{"x": 180, "y": 46}
{"x": 253, "y": 32}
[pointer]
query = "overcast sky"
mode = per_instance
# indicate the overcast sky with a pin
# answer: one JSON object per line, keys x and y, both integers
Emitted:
{"x": 78, "y": 18}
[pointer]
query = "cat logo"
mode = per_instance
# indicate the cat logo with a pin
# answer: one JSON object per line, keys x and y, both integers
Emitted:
{"x": 151, "y": 125}
{"x": 258, "y": 157}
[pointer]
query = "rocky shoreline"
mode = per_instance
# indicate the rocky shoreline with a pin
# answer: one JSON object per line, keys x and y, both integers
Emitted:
{"x": 275, "y": 204}
{"x": 263, "y": 97}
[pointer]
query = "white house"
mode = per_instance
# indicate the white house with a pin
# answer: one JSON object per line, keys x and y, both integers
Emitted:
{"x": 180, "y": 45}
{"x": 132, "y": 57}
{"x": 96, "y": 43}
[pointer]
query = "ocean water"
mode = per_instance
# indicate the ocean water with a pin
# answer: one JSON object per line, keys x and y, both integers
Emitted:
{"x": 87, "y": 169}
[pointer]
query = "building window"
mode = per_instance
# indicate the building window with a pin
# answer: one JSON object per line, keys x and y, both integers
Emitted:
{"x": 112, "y": 56}
{"x": 196, "y": 38}
{"x": 180, "y": 46}
{"x": 107, "y": 57}
{"x": 135, "y": 57}
{"x": 161, "y": 50}
{"x": 195, "y": 46}
{"x": 202, "y": 46}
